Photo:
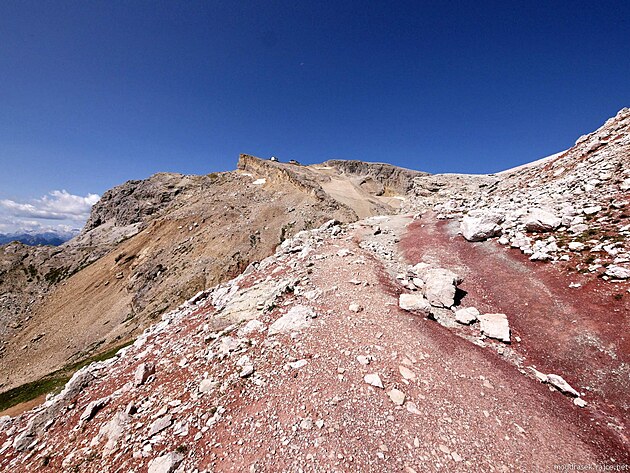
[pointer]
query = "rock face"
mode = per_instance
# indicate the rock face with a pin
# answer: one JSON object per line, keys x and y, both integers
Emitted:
{"x": 495, "y": 326}
{"x": 479, "y": 226}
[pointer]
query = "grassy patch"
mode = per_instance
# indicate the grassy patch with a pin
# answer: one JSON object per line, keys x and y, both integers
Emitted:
{"x": 52, "y": 382}
{"x": 30, "y": 391}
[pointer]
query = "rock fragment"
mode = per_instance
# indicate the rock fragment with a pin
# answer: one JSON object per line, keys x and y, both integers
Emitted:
{"x": 92, "y": 408}
{"x": 296, "y": 319}
{"x": 414, "y": 302}
{"x": 479, "y": 226}
{"x": 540, "y": 220}
{"x": 373, "y": 379}
{"x": 617, "y": 272}
{"x": 467, "y": 316}
{"x": 440, "y": 287}
{"x": 397, "y": 397}
{"x": 406, "y": 372}
{"x": 143, "y": 371}
{"x": 561, "y": 385}
{"x": 160, "y": 424}
{"x": 495, "y": 326}
{"x": 166, "y": 463}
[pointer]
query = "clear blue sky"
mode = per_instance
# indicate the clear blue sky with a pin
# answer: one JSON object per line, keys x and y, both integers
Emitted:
{"x": 95, "y": 93}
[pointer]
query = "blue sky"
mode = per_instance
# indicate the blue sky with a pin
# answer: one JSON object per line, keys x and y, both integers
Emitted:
{"x": 96, "y": 93}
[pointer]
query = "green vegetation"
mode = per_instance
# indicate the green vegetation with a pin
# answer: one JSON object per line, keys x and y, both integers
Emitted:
{"x": 53, "y": 382}
{"x": 29, "y": 391}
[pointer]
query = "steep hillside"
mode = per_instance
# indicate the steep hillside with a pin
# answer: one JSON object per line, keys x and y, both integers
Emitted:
{"x": 318, "y": 358}
{"x": 344, "y": 316}
{"x": 148, "y": 246}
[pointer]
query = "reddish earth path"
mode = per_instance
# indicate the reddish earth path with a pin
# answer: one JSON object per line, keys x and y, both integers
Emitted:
{"x": 581, "y": 333}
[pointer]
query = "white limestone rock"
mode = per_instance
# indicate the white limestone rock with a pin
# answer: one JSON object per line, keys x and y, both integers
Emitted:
{"x": 298, "y": 318}
{"x": 166, "y": 463}
{"x": 561, "y": 385}
{"x": 440, "y": 287}
{"x": 539, "y": 220}
{"x": 617, "y": 272}
{"x": 495, "y": 326}
{"x": 374, "y": 379}
{"x": 414, "y": 302}
{"x": 467, "y": 316}
{"x": 477, "y": 226}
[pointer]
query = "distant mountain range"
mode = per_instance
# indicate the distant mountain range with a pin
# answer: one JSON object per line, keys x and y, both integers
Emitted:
{"x": 34, "y": 239}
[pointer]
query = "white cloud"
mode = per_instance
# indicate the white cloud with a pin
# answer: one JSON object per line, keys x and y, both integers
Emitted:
{"x": 71, "y": 211}
{"x": 57, "y": 205}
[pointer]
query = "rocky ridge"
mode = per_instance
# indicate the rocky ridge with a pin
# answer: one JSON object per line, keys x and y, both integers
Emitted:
{"x": 265, "y": 373}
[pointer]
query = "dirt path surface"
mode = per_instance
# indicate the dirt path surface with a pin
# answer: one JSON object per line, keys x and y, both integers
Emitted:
{"x": 581, "y": 333}
{"x": 251, "y": 396}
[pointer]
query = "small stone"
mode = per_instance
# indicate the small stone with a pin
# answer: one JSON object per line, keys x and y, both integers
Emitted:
{"x": 406, "y": 372}
{"x": 364, "y": 360}
{"x": 397, "y": 397}
{"x": 373, "y": 380}
{"x": 92, "y": 408}
{"x": 296, "y": 365}
{"x": 247, "y": 370}
{"x": 297, "y": 318}
{"x": 143, "y": 371}
{"x": 160, "y": 424}
{"x": 559, "y": 383}
{"x": 166, "y": 463}
{"x": 354, "y": 307}
{"x": 455, "y": 456}
{"x": 207, "y": 385}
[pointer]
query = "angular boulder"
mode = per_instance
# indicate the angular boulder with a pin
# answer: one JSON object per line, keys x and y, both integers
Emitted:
{"x": 479, "y": 227}
{"x": 539, "y": 220}
{"x": 440, "y": 287}
{"x": 495, "y": 326}
{"x": 467, "y": 316}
